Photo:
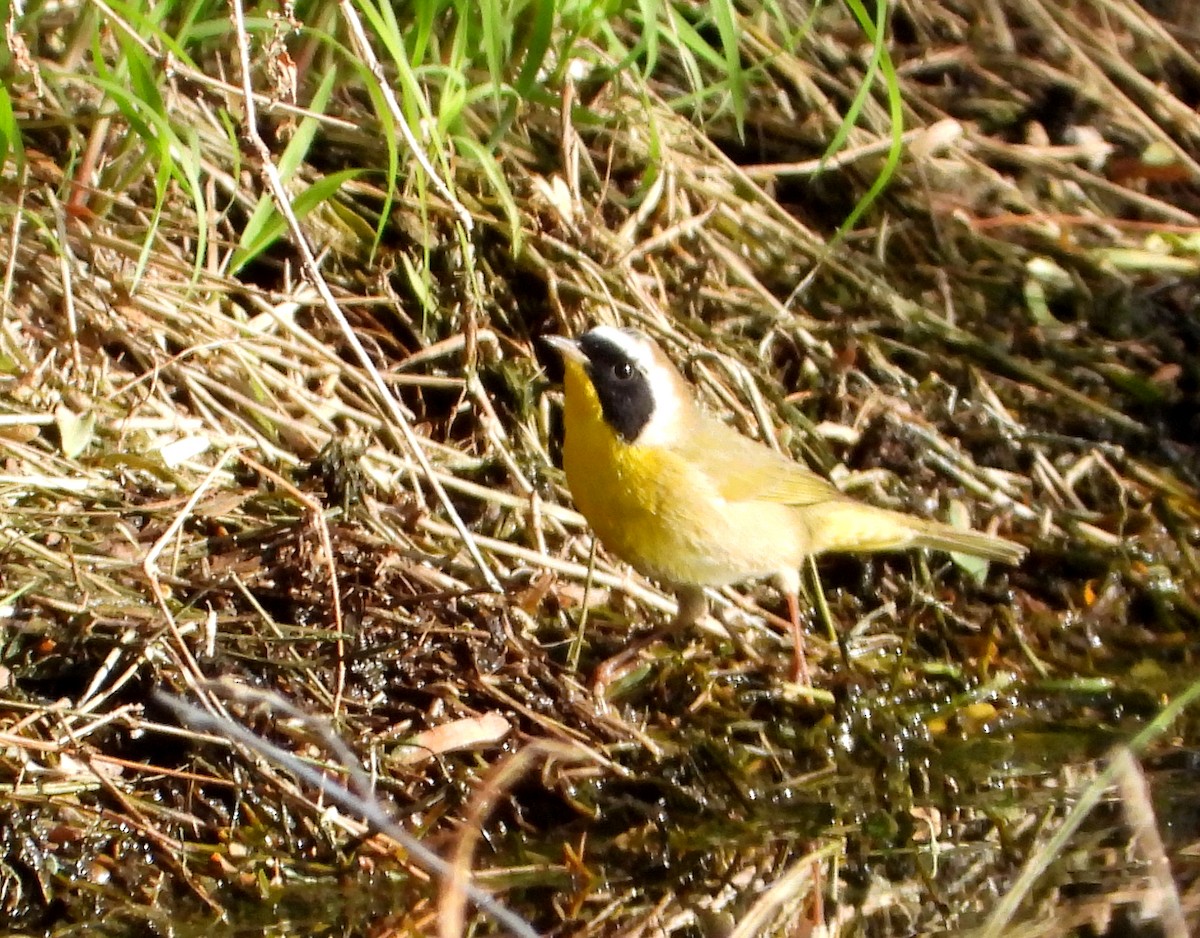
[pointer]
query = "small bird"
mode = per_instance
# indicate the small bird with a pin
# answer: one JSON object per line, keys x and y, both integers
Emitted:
{"x": 692, "y": 503}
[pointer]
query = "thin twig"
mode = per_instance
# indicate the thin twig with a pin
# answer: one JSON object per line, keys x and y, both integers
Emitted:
{"x": 370, "y": 809}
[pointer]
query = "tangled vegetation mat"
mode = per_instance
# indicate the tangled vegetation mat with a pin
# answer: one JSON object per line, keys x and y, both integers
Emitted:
{"x": 299, "y": 468}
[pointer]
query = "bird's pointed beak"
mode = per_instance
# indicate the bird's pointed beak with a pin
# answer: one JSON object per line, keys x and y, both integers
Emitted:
{"x": 568, "y": 348}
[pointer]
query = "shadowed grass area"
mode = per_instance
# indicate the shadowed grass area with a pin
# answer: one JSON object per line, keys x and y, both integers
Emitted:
{"x": 273, "y": 414}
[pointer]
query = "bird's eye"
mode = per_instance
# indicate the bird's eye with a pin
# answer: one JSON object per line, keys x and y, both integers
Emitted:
{"x": 623, "y": 371}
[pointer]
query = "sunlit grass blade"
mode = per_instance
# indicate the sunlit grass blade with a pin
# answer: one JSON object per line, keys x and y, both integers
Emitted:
{"x": 494, "y": 28}
{"x": 272, "y": 226}
{"x": 10, "y": 133}
{"x": 726, "y": 17}
{"x": 170, "y": 156}
{"x": 495, "y": 176}
{"x": 880, "y": 63}
{"x": 265, "y": 224}
{"x": 538, "y": 33}
{"x": 650, "y": 11}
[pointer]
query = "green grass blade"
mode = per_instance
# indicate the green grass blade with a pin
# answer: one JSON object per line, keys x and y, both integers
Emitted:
{"x": 650, "y": 11}
{"x": 265, "y": 224}
{"x": 881, "y": 63}
{"x": 537, "y": 44}
{"x": 725, "y": 16}
{"x": 491, "y": 18}
{"x": 491, "y": 169}
{"x": 275, "y": 225}
{"x": 10, "y": 133}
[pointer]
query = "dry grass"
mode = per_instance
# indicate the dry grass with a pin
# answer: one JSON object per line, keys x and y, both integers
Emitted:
{"x": 202, "y": 479}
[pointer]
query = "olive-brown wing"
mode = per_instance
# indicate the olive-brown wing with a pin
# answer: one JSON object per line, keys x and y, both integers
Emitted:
{"x": 743, "y": 469}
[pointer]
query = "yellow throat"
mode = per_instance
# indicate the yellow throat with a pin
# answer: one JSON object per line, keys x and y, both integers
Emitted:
{"x": 615, "y": 484}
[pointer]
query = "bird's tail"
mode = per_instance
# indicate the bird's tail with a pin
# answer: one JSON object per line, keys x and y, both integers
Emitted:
{"x": 853, "y": 527}
{"x": 937, "y": 536}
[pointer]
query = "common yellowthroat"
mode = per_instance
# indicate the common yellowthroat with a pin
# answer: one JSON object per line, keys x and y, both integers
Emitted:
{"x": 692, "y": 503}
